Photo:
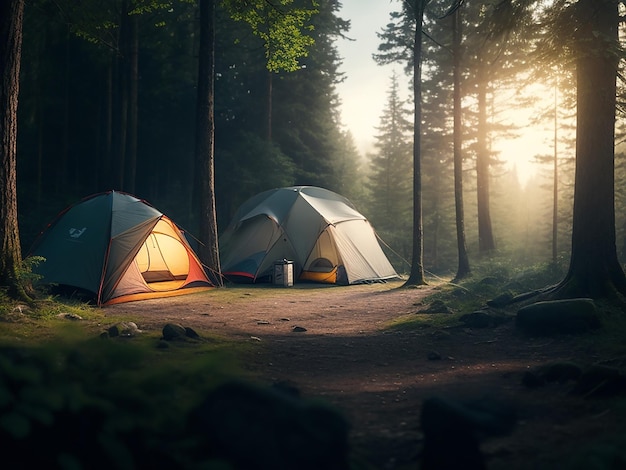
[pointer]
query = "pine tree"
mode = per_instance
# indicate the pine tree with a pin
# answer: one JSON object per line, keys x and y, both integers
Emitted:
{"x": 11, "y": 21}
{"x": 390, "y": 182}
{"x": 402, "y": 42}
{"x": 594, "y": 269}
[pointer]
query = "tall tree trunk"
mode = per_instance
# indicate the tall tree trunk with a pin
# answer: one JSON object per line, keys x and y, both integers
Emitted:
{"x": 270, "y": 98}
{"x": 122, "y": 100}
{"x": 205, "y": 143}
{"x": 486, "y": 241}
{"x": 594, "y": 269}
{"x": 11, "y": 21}
{"x": 38, "y": 112}
{"x": 463, "y": 269}
{"x": 555, "y": 179}
{"x": 63, "y": 166}
{"x": 416, "y": 276}
{"x": 133, "y": 99}
{"x": 105, "y": 176}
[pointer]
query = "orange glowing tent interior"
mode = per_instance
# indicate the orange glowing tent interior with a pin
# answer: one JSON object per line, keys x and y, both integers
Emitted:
{"x": 120, "y": 248}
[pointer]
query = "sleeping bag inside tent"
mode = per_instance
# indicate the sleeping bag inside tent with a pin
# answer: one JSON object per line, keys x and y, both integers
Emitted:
{"x": 119, "y": 248}
{"x": 319, "y": 230}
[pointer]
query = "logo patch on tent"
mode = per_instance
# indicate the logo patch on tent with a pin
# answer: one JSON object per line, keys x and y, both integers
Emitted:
{"x": 75, "y": 232}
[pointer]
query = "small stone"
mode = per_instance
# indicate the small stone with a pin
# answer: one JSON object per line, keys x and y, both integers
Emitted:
{"x": 69, "y": 316}
{"x": 191, "y": 333}
{"x": 434, "y": 356}
{"x": 173, "y": 331}
{"x": 476, "y": 320}
{"x": 298, "y": 329}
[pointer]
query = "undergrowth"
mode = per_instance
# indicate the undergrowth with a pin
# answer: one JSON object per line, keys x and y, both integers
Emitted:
{"x": 488, "y": 281}
{"x": 495, "y": 279}
{"x": 95, "y": 403}
{"x": 73, "y": 398}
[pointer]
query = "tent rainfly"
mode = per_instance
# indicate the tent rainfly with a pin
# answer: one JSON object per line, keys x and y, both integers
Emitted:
{"x": 320, "y": 231}
{"x": 119, "y": 248}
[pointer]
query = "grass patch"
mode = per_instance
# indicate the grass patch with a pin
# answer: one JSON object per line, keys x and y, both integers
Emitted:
{"x": 84, "y": 403}
{"x": 87, "y": 400}
{"x": 84, "y": 400}
{"x": 487, "y": 282}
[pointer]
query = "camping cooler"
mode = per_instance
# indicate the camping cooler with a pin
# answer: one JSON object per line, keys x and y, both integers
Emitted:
{"x": 283, "y": 273}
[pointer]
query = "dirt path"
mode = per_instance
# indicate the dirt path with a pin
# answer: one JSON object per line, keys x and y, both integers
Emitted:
{"x": 332, "y": 343}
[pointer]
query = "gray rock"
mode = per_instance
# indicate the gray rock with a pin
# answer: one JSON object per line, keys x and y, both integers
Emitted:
{"x": 501, "y": 301}
{"x": 477, "y": 320}
{"x": 452, "y": 430}
{"x": 573, "y": 316}
{"x": 191, "y": 333}
{"x": 173, "y": 331}
{"x": 125, "y": 329}
{"x": 69, "y": 316}
{"x": 434, "y": 356}
{"x": 274, "y": 428}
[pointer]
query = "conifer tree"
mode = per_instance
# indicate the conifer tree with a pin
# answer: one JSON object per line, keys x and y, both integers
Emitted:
{"x": 402, "y": 41}
{"x": 390, "y": 172}
{"x": 11, "y": 21}
{"x": 594, "y": 268}
{"x": 586, "y": 33}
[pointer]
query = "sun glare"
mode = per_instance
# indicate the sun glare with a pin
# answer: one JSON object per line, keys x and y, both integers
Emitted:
{"x": 519, "y": 153}
{"x": 529, "y": 112}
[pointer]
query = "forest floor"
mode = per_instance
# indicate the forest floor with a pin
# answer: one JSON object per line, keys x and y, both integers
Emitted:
{"x": 337, "y": 344}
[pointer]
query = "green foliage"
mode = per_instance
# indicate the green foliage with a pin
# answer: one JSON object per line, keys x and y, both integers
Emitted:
{"x": 306, "y": 131}
{"x": 25, "y": 278}
{"x": 99, "y": 23}
{"x": 489, "y": 279}
{"x": 281, "y": 26}
{"x": 248, "y": 165}
{"x": 391, "y": 164}
{"x": 25, "y": 275}
{"x": 101, "y": 403}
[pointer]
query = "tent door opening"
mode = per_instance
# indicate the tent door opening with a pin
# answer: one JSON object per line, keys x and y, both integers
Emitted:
{"x": 162, "y": 260}
{"x": 323, "y": 261}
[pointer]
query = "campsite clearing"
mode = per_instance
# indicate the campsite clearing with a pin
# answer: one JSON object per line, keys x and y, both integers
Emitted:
{"x": 335, "y": 343}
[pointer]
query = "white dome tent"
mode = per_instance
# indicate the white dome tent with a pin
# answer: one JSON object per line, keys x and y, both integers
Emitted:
{"x": 324, "y": 235}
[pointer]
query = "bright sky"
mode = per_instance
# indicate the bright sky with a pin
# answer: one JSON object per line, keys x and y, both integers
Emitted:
{"x": 364, "y": 90}
{"x": 363, "y": 93}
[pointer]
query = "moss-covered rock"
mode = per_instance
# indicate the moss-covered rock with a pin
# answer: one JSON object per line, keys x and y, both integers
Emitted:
{"x": 573, "y": 316}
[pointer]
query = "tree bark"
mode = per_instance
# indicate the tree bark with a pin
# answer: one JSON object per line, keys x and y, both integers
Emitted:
{"x": 594, "y": 269}
{"x": 270, "y": 98}
{"x": 205, "y": 144}
{"x": 463, "y": 269}
{"x": 122, "y": 89}
{"x": 11, "y": 21}
{"x": 133, "y": 100}
{"x": 486, "y": 241}
{"x": 555, "y": 179}
{"x": 105, "y": 175}
{"x": 416, "y": 276}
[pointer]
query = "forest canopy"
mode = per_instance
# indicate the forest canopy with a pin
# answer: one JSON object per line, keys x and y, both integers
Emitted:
{"x": 283, "y": 127}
